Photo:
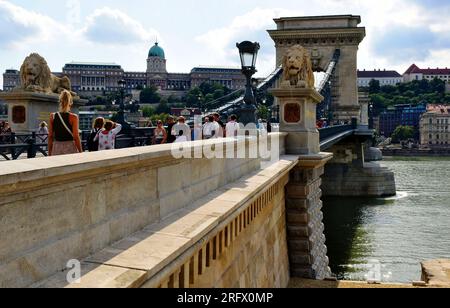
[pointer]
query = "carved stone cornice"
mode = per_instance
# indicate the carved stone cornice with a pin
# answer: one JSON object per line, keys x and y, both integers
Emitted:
{"x": 305, "y": 37}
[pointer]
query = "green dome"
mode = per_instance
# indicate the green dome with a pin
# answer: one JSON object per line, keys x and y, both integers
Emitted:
{"x": 156, "y": 51}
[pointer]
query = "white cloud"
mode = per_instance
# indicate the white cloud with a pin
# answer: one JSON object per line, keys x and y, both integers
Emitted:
{"x": 221, "y": 42}
{"x": 19, "y": 26}
{"x": 111, "y": 27}
{"x": 380, "y": 18}
{"x": 73, "y": 15}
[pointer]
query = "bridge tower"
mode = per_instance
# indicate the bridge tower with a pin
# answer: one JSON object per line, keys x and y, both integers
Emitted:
{"x": 321, "y": 36}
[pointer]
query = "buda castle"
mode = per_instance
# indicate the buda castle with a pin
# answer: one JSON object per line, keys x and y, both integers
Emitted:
{"x": 94, "y": 79}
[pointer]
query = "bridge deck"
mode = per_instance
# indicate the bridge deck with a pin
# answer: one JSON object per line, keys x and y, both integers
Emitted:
{"x": 152, "y": 255}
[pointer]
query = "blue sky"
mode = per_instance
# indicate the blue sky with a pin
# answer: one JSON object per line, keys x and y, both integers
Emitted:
{"x": 204, "y": 32}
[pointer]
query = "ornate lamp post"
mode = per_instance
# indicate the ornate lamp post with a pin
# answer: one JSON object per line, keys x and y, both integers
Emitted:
{"x": 249, "y": 53}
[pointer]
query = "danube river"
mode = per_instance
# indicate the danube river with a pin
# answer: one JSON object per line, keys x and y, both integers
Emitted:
{"x": 392, "y": 235}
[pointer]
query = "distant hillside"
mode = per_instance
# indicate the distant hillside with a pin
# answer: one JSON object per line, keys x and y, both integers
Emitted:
{"x": 415, "y": 92}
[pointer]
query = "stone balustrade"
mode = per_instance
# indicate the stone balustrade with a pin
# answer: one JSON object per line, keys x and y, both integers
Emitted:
{"x": 71, "y": 207}
{"x": 233, "y": 237}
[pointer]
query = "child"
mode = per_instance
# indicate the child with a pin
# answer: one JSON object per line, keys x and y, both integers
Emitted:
{"x": 107, "y": 137}
{"x": 96, "y": 129}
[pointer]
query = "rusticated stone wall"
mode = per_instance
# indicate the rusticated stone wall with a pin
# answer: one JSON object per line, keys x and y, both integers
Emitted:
{"x": 306, "y": 239}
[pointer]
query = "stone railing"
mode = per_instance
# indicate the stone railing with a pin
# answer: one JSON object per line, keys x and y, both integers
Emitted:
{"x": 70, "y": 207}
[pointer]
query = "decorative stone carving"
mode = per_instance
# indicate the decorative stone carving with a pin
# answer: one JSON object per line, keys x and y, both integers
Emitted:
{"x": 297, "y": 68}
{"x": 292, "y": 113}
{"x": 36, "y": 76}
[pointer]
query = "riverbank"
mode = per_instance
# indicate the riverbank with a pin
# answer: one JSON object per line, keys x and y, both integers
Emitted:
{"x": 435, "y": 274}
{"x": 416, "y": 152}
{"x": 315, "y": 284}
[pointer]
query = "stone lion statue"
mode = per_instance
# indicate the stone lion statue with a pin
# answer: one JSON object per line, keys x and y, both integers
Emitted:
{"x": 36, "y": 76}
{"x": 297, "y": 68}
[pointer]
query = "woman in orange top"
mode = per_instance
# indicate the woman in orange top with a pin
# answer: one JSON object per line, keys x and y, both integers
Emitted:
{"x": 63, "y": 134}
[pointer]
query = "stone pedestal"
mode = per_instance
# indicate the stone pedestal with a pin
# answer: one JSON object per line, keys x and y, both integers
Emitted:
{"x": 306, "y": 239}
{"x": 298, "y": 119}
{"x": 26, "y": 110}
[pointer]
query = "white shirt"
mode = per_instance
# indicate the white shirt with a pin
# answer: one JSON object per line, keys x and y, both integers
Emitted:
{"x": 181, "y": 139}
{"x": 211, "y": 129}
{"x": 232, "y": 129}
{"x": 181, "y": 127}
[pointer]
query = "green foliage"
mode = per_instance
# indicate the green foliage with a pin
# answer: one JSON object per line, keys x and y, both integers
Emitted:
{"x": 415, "y": 92}
{"x": 374, "y": 86}
{"x": 207, "y": 93}
{"x": 173, "y": 100}
{"x": 403, "y": 133}
{"x": 163, "y": 117}
{"x": 163, "y": 107}
{"x": 150, "y": 96}
{"x": 379, "y": 102}
{"x": 148, "y": 111}
{"x": 263, "y": 112}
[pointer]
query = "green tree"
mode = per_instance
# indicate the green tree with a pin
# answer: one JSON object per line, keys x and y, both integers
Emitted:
{"x": 194, "y": 98}
{"x": 437, "y": 86}
{"x": 163, "y": 107}
{"x": 173, "y": 100}
{"x": 379, "y": 103}
{"x": 374, "y": 86}
{"x": 150, "y": 96}
{"x": 163, "y": 117}
{"x": 148, "y": 111}
{"x": 263, "y": 112}
{"x": 403, "y": 133}
{"x": 388, "y": 89}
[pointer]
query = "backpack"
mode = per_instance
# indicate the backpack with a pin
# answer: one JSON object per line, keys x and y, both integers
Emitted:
{"x": 91, "y": 144}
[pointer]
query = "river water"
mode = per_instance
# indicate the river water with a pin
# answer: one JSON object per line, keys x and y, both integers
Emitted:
{"x": 387, "y": 238}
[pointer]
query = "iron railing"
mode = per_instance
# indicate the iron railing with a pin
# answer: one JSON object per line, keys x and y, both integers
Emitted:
{"x": 329, "y": 132}
{"x": 13, "y": 146}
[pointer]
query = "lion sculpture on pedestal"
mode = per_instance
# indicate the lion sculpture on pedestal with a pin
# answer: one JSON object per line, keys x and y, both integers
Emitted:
{"x": 36, "y": 76}
{"x": 297, "y": 68}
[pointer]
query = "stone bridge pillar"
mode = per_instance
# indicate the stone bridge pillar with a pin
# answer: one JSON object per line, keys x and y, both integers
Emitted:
{"x": 306, "y": 239}
{"x": 321, "y": 36}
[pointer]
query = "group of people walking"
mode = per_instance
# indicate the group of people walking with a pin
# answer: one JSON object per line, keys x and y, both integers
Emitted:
{"x": 64, "y": 136}
{"x": 211, "y": 128}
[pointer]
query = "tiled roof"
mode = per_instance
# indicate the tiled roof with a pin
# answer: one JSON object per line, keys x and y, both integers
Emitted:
{"x": 414, "y": 69}
{"x": 441, "y": 109}
{"x": 378, "y": 74}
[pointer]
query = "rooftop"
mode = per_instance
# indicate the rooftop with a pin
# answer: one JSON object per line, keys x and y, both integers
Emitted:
{"x": 441, "y": 109}
{"x": 93, "y": 63}
{"x": 378, "y": 74}
{"x": 318, "y": 22}
{"x": 215, "y": 68}
{"x": 414, "y": 69}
